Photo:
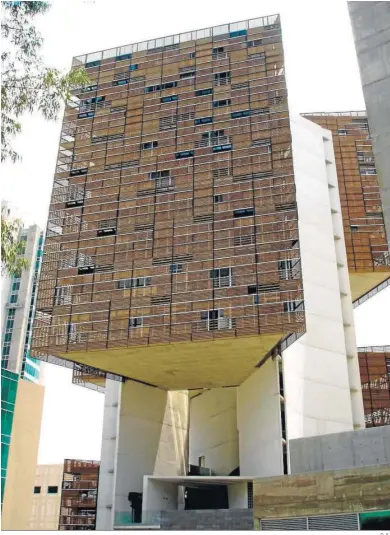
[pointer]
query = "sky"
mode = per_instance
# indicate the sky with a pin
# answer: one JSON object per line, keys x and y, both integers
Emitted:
{"x": 322, "y": 75}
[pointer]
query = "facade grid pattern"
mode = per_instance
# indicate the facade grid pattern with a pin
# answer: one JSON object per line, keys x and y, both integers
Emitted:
{"x": 173, "y": 215}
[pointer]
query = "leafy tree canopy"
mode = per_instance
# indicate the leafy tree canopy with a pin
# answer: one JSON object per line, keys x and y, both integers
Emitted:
{"x": 12, "y": 247}
{"x": 27, "y": 84}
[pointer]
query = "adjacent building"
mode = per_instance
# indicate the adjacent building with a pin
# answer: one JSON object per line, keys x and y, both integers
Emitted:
{"x": 375, "y": 377}
{"x": 46, "y": 497}
{"x": 371, "y": 28}
{"x": 360, "y": 196}
{"x": 175, "y": 259}
{"x": 79, "y": 495}
{"x": 22, "y": 391}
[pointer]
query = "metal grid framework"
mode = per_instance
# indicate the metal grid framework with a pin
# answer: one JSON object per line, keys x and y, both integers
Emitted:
{"x": 79, "y": 495}
{"x": 173, "y": 213}
{"x": 364, "y": 228}
{"x": 374, "y": 365}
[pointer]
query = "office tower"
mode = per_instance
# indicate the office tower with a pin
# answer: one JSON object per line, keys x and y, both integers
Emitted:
{"x": 360, "y": 195}
{"x": 371, "y": 28}
{"x": 22, "y": 396}
{"x": 46, "y": 499}
{"x": 18, "y": 305}
{"x": 79, "y": 495}
{"x": 375, "y": 377}
{"x": 175, "y": 258}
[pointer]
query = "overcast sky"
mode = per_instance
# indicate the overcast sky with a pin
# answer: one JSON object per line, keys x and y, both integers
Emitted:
{"x": 322, "y": 75}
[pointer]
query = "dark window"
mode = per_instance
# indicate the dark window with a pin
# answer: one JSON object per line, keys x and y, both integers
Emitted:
{"x": 176, "y": 268}
{"x": 243, "y": 113}
{"x": 52, "y": 490}
{"x": 252, "y": 289}
{"x": 244, "y": 212}
{"x": 158, "y": 174}
{"x": 171, "y": 98}
{"x": 201, "y": 92}
{"x": 37, "y": 490}
{"x": 237, "y": 33}
{"x": 149, "y": 145}
{"x": 222, "y": 78}
{"x": 218, "y": 198}
{"x": 136, "y": 322}
{"x": 222, "y": 148}
{"x": 120, "y": 82}
{"x": 203, "y": 120}
{"x": 92, "y": 64}
{"x": 221, "y": 103}
{"x": 122, "y": 57}
{"x": 133, "y": 67}
{"x": 189, "y": 74}
{"x": 354, "y": 228}
{"x": 292, "y": 306}
{"x": 191, "y": 55}
{"x": 250, "y": 494}
{"x": 257, "y": 42}
{"x": 342, "y": 132}
{"x": 184, "y": 154}
{"x": 255, "y": 299}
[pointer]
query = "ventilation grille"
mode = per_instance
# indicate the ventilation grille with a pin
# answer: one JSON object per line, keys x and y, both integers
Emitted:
{"x": 347, "y": 522}
{"x": 240, "y": 178}
{"x": 248, "y": 239}
{"x": 243, "y": 85}
{"x": 285, "y": 207}
{"x": 145, "y": 192}
{"x": 116, "y": 109}
{"x": 170, "y": 260}
{"x": 143, "y": 226}
{"x": 223, "y": 172}
{"x": 334, "y": 522}
{"x": 161, "y": 300}
{"x": 104, "y": 269}
{"x": 202, "y": 218}
{"x": 263, "y": 288}
{"x": 166, "y": 123}
{"x": 186, "y": 116}
{"x": 122, "y": 165}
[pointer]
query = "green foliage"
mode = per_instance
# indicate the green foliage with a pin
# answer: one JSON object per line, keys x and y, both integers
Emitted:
{"x": 27, "y": 84}
{"x": 11, "y": 247}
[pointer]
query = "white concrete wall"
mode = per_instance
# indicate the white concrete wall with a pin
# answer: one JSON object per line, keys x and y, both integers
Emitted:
{"x": 315, "y": 368}
{"x": 213, "y": 430}
{"x": 159, "y": 496}
{"x": 259, "y": 423}
{"x": 108, "y": 458}
{"x": 153, "y": 433}
{"x": 238, "y": 495}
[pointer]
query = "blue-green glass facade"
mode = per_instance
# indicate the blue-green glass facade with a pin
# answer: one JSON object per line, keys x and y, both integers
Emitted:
{"x": 9, "y": 386}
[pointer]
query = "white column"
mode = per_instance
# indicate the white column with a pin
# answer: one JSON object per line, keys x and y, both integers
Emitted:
{"x": 259, "y": 423}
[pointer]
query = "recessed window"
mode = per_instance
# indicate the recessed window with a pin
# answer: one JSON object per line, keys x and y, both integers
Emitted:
{"x": 139, "y": 282}
{"x": 52, "y": 489}
{"x": 171, "y": 98}
{"x": 244, "y": 212}
{"x": 189, "y": 74}
{"x": 37, "y": 490}
{"x": 222, "y": 277}
{"x": 13, "y": 298}
{"x": 184, "y": 154}
{"x": 202, "y": 92}
{"x": 136, "y": 322}
{"x": 221, "y": 103}
{"x": 252, "y": 289}
{"x": 292, "y": 306}
{"x": 133, "y": 67}
{"x": 192, "y": 55}
{"x": 203, "y": 120}
{"x": 176, "y": 268}
{"x": 222, "y": 78}
{"x": 218, "y": 198}
{"x": 342, "y": 132}
{"x": 354, "y": 228}
{"x": 149, "y": 145}
{"x": 158, "y": 174}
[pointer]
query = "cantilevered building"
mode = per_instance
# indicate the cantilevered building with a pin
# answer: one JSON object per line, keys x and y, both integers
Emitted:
{"x": 175, "y": 258}
{"x": 360, "y": 195}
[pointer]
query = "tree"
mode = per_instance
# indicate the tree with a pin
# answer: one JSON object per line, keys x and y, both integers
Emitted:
{"x": 27, "y": 84}
{"x": 12, "y": 247}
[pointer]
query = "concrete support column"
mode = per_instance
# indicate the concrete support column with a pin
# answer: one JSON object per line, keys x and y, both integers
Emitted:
{"x": 153, "y": 433}
{"x": 259, "y": 423}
